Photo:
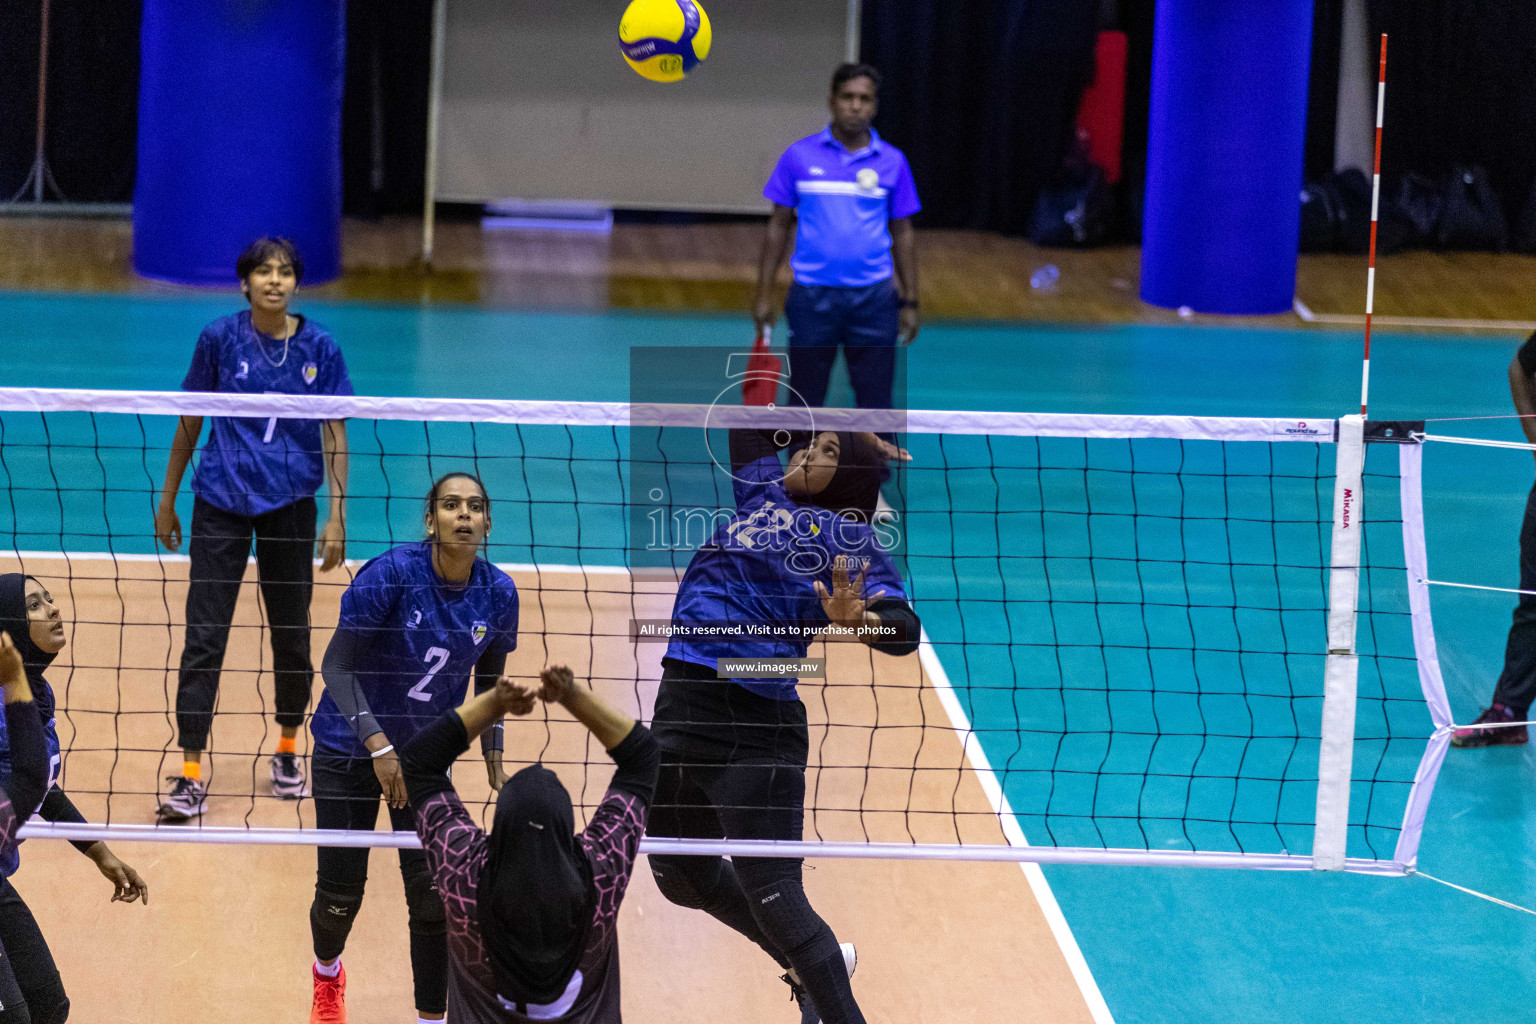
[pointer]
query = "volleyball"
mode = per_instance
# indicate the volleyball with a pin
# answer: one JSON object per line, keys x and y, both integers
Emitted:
{"x": 663, "y": 40}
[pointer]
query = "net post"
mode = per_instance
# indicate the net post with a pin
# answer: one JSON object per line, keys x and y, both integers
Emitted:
{"x": 1336, "y": 749}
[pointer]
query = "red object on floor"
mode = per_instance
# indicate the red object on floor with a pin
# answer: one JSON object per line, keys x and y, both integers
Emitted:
{"x": 764, "y": 371}
{"x": 1101, "y": 115}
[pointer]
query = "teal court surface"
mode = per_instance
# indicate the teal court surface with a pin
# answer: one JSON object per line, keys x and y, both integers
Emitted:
{"x": 1163, "y": 944}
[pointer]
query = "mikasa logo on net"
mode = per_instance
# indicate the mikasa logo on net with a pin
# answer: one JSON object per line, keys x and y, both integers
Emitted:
{"x": 1301, "y": 428}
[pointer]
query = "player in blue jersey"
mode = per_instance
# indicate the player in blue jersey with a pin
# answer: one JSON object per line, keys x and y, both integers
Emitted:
{"x": 798, "y": 556}
{"x": 28, "y": 975}
{"x": 415, "y": 624}
{"x": 256, "y": 476}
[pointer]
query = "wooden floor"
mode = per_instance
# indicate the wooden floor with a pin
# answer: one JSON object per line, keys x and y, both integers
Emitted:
{"x": 228, "y": 926}
{"x": 965, "y": 275}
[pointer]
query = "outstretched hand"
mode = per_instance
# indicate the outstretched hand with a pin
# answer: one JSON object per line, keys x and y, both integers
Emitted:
{"x": 846, "y": 604}
{"x": 885, "y": 449}
{"x": 559, "y": 684}
{"x": 516, "y": 699}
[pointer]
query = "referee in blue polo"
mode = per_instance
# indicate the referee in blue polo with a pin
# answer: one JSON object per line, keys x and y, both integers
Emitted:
{"x": 850, "y": 196}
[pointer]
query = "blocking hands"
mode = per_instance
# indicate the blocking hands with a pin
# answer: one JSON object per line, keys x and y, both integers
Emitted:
{"x": 556, "y": 684}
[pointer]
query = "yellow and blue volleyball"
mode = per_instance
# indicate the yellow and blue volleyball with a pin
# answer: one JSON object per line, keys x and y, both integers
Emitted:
{"x": 663, "y": 40}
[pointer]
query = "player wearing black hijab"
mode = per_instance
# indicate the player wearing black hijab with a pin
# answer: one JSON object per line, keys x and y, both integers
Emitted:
{"x": 22, "y": 792}
{"x": 796, "y": 557}
{"x": 28, "y": 975}
{"x": 532, "y": 906}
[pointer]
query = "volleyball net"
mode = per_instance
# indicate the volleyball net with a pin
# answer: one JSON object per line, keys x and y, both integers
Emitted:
{"x": 1147, "y": 639}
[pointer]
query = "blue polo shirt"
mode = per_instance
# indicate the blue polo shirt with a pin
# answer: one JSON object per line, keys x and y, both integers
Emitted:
{"x": 845, "y": 203}
{"x": 251, "y": 466}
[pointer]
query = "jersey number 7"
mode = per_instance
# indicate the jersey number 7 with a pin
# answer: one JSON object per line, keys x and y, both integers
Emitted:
{"x": 437, "y": 657}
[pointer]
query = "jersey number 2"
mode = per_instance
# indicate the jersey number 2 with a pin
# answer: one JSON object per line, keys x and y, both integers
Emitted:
{"x": 437, "y": 657}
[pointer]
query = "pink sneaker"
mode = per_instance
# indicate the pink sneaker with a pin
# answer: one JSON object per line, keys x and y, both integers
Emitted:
{"x": 1509, "y": 736}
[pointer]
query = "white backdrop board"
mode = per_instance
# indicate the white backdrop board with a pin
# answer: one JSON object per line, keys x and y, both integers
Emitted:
{"x": 537, "y": 103}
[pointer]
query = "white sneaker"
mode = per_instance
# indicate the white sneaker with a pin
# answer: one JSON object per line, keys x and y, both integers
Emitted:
{"x": 287, "y": 777}
{"x": 188, "y": 799}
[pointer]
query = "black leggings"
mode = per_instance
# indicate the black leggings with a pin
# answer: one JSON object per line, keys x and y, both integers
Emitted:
{"x": 31, "y": 991}
{"x": 347, "y": 796}
{"x": 219, "y": 545}
{"x": 760, "y": 897}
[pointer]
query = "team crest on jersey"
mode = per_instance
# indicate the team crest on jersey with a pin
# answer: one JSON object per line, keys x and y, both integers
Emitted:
{"x": 415, "y": 619}
{"x": 245, "y": 370}
{"x": 311, "y": 371}
{"x": 867, "y": 177}
{"x": 478, "y": 632}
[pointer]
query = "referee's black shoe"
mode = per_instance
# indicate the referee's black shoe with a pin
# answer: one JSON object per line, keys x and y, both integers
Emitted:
{"x": 802, "y": 998}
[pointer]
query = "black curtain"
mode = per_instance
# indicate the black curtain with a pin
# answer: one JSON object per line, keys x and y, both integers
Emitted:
{"x": 1323, "y": 88}
{"x": 384, "y": 113}
{"x": 93, "y": 100}
{"x": 93, "y": 97}
{"x": 1461, "y": 89}
{"x": 1135, "y": 20}
{"x": 982, "y": 97}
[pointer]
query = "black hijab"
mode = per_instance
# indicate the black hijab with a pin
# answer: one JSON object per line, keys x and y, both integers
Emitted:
{"x": 854, "y": 489}
{"x": 536, "y": 897}
{"x": 13, "y": 620}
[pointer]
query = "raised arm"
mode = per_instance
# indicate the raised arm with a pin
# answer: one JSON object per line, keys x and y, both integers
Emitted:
{"x": 608, "y": 725}
{"x": 29, "y": 753}
{"x": 748, "y": 445}
{"x": 488, "y": 669}
{"x": 183, "y": 444}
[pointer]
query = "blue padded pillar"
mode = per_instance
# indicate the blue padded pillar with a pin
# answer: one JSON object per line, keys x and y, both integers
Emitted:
{"x": 1224, "y": 154}
{"x": 239, "y": 135}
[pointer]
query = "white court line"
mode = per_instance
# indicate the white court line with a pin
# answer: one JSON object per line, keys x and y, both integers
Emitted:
{"x": 1305, "y": 313}
{"x": 959, "y": 721}
{"x": 351, "y": 563}
{"x": 1065, "y": 940}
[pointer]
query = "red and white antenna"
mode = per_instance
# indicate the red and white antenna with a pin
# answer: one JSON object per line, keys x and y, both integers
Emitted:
{"x": 1370, "y": 276}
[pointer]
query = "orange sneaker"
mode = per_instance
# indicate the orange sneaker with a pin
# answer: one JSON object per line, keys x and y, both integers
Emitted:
{"x": 330, "y": 1005}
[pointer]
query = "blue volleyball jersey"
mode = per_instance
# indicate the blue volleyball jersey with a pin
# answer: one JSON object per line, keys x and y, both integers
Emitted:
{"x": 10, "y": 861}
{"x": 252, "y": 465}
{"x": 760, "y": 569}
{"x": 420, "y": 641}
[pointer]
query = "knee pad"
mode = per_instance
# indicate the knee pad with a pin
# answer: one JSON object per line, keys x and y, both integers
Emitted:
{"x": 687, "y": 881}
{"x": 330, "y": 920}
{"x": 760, "y": 872}
{"x": 423, "y": 904}
{"x": 788, "y": 919}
